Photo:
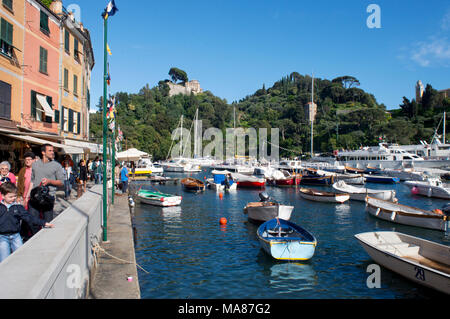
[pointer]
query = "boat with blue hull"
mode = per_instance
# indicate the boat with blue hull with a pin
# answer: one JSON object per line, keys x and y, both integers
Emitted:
{"x": 284, "y": 240}
{"x": 381, "y": 179}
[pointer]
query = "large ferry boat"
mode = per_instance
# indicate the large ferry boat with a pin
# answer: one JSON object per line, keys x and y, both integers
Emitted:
{"x": 385, "y": 156}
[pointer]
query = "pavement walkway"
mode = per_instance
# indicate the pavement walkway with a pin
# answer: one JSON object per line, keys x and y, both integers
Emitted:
{"x": 116, "y": 274}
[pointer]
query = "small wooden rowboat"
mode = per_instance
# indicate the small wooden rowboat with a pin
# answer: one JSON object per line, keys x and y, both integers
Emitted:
{"x": 320, "y": 196}
{"x": 265, "y": 211}
{"x": 406, "y": 215}
{"x": 360, "y": 193}
{"x": 422, "y": 261}
{"x": 193, "y": 184}
{"x": 158, "y": 198}
{"x": 284, "y": 240}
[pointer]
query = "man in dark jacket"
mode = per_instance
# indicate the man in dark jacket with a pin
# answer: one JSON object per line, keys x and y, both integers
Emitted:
{"x": 11, "y": 213}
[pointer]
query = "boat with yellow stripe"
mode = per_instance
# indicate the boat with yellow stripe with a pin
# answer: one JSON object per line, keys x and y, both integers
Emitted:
{"x": 284, "y": 240}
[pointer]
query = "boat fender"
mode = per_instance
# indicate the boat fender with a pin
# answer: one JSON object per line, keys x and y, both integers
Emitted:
{"x": 430, "y": 191}
{"x": 393, "y": 215}
{"x": 415, "y": 190}
{"x": 378, "y": 211}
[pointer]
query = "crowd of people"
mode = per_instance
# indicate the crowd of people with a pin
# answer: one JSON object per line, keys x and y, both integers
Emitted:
{"x": 29, "y": 202}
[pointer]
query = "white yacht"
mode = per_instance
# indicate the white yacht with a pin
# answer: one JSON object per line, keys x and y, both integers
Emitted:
{"x": 145, "y": 166}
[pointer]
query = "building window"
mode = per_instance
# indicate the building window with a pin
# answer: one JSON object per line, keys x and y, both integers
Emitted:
{"x": 42, "y": 107}
{"x": 5, "y": 100}
{"x": 44, "y": 23}
{"x": 75, "y": 85}
{"x": 6, "y": 38}
{"x": 75, "y": 50}
{"x": 66, "y": 79}
{"x": 70, "y": 121}
{"x": 67, "y": 41}
{"x": 75, "y": 122}
{"x": 8, "y": 4}
{"x": 43, "y": 55}
{"x": 66, "y": 120}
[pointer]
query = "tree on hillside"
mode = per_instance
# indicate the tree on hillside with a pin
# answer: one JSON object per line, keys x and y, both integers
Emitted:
{"x": 178, "y": 75}
{"x": 347, "y": 81}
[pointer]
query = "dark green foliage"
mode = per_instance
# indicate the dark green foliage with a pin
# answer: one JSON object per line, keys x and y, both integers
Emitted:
{"x": 347, "y": 117}
{"x": 178, "y": 75}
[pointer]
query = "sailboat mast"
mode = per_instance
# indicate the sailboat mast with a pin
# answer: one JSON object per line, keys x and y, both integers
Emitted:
{"x": 181, "y": 151}
{"x": 444, "y": 130}
{"x": 310, "y": 117}
{"x": 195, "y": 134}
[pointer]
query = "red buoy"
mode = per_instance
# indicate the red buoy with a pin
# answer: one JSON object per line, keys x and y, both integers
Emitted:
{"x": 221, "y": 195}
{"x": 223, "y": 221}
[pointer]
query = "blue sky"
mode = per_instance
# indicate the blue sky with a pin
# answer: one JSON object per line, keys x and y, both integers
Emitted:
{"x": 234, "y": 47}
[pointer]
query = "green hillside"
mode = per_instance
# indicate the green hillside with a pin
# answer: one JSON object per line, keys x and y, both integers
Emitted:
{"x": 347, "y": 116}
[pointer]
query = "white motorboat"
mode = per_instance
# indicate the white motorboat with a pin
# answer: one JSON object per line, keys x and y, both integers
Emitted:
{"x": 404, "y": 174}
{"x": 424, "y": 262}
{"x": 354, "y": 179}
{"x": 267, "y": 209}
{"x": 219, "y": 181}
{"x": 360, "y": 193}
{"x": 145, "y": 167}
{"x": 432, "y": 187}
{"x": 407, "y": 215}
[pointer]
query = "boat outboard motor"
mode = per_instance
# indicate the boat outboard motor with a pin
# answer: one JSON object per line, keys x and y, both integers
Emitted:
{"x": 264, "y": 197}
{"x": 446, "y": 212}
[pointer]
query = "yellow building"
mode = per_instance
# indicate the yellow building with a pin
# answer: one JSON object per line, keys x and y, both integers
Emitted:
{"x": 12, "y": 17}
{"x": 76, "y": 63}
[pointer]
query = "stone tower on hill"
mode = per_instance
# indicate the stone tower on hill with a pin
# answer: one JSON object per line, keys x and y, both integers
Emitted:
{"x": 419, "y": 91}
{"x": 186, "y": 89}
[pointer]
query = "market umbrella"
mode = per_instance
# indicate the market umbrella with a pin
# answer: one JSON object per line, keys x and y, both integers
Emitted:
{"x": 131, "y": 155}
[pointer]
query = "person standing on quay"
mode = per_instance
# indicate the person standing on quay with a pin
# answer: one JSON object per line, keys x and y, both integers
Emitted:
{"x": 24, "y": 179}
{"x": 83, "y": 177}
{"x": 47, "y": 172}
{"x": 124, "y": 178}
{"x": 11, "y": 213}
{"x": 6, "y": 175}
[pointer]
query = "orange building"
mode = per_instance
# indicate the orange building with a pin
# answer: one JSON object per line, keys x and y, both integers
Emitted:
{"x": 11, "y": 62}
{"x": 41, "y": 69}
{"x": 76, "y": 63}
{"x": 46, "y": 59}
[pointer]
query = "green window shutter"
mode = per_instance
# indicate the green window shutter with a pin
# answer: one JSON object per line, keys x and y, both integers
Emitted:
{"x": 67, "y": 41}
{"x": 5, "y": 100}
{"x": 78, "y": 122}
{"x": 49, "y": 119}
{"x": 62, "y": 118}
{"x": 43, "y": 56}
{"x": 33, "y": 104}
{"x": 44, "y": 22}
{"x": 8, "y": 4}
{"x": 6, "y": 32}
{"x": 66, "y": 79}
{"x": 75, "y": 48}
{"x": 56, "y": 116}
{"x": 70, "y": 120}
{"x": 75, "y": 84}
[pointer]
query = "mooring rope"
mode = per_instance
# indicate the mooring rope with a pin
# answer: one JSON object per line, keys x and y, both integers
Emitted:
{"x": 97, "y": 248}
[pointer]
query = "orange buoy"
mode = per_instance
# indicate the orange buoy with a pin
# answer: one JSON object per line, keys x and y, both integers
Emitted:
{"x": 438, "y": 211}
{"x": 221, "y": 195}
{"x": 223, "y": 221}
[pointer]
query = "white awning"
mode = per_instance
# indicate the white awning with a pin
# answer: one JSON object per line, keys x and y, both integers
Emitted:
{"x": 93, "y": 148}
{"x": 66, "y": 148}
{"x": 47, "y": 108}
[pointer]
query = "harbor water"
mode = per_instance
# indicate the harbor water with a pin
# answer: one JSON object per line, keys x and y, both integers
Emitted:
{"x": 188, "y": 254}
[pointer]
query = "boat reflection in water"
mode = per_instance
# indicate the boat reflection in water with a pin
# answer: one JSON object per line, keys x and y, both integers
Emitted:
{"x": 290, "y": 277}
